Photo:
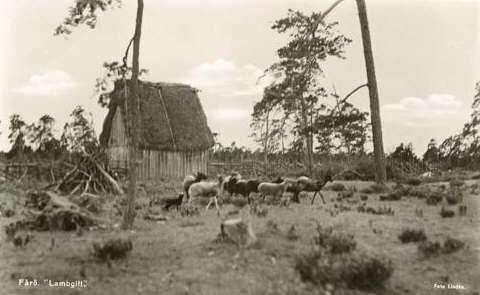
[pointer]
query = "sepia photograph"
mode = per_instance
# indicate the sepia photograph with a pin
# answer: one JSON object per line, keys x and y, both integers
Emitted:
{"x": 277, "y": 147}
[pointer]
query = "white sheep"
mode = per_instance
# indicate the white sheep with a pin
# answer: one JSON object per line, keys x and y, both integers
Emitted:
{"x": 204, "y": 189}
{"x": 273, "y": 189}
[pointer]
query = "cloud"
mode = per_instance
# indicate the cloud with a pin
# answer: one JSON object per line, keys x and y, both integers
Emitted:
{"x": 52, "y": 83}
{"x": 230, "y": 114}
{"x": 435, "y": 110}
{"x": 225, "y": 78}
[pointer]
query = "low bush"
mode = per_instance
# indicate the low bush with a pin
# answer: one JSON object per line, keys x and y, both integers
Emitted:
{"x": 292, "y": 234}
{"x": 419, "y": 192}
{"x": 334, "y": 242}
{"x": 434, "y": 198}
{"x": 453, "y": 199}
{"x": 336, "y": 187}
{"x": 363, "y": 197}
{"x": 346, "y": 194}
{"x": 365, "y": 272}
{"x": 393, "y": 196}
{"x": 452, "y": 245}
{"x": 412, "y": 235}
{"x": 112, "y": 249}
{"x": 383, "y": 210}
{"x": 429, "y": 248}
{"x": 413, "y": 181}
{"x": 446, "y": 213}
{"x": 357, "y": 271}
{"x": 375, "y": 189}
{"x": 456, "y": 182}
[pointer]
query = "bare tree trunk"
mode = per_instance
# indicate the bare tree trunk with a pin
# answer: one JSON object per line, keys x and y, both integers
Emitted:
{"x": 308, "y": 140}
{"x": 372, "y": 88}
{"x": 133, "y": 110}
{"x": 265, "y": 143}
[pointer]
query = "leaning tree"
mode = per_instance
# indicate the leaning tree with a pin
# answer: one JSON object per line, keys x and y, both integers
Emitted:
{"x": 85, "y": 12}
{"x": 381, "y": 175}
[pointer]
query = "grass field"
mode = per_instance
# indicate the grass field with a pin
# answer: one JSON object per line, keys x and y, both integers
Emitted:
{"x": 180, "y": 256}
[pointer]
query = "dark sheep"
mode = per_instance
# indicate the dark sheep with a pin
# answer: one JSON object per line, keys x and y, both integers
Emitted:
{"x": 243, "y": 187}
{"x": 229, "y": 182}
{"x": 177, "y": 202}
{"x": 305, "y": 184}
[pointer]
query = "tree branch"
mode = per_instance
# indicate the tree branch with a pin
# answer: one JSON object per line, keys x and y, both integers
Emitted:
{"x": 125, "y": 57}
{"x": 339, "y": 102}
{"x": 324, "y": 14}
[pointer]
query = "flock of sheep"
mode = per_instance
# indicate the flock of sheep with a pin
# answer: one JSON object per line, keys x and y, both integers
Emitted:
{"x": 198, "y": 186}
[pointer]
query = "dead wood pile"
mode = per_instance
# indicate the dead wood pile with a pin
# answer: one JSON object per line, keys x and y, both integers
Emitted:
{"x": 45, "y": 210}
{"x": 88, "y": 175}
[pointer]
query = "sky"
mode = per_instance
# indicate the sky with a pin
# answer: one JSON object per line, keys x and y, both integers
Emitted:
{"x": 426, "y": 53}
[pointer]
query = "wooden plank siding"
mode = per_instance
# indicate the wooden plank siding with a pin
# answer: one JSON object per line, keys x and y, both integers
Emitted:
{"x": 154, "y": 164}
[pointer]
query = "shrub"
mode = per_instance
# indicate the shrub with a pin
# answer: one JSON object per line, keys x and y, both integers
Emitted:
{"x": 452, "y": 245}
{"x": 413, "y": 181}
{"x": 379, "y": 211}
{"x": 419, "y": 192}
{"x": 452, "y": 199}
{"x": 364, "y": 272}
{"x": 412, "y": 235}
{"x": 346, "y": 194}
{"x": 476, "y": 176}
{"x": 375, "y": 189}
{"x": 358, "y": 271}
{"x": 366, "y": 168}
{"x": 336, "y": 187}
{"x": 446, "y": 213}
{"x": 272, "y": 227}
{"x": 363, "y": 197}
{"x": 434, "y": 198}
{"x": 456, "y": 182}
{"x": 112, "y": 249}
{"x": 428, "y": 248}
{"x": 292, "y": 234}
{"x": 393, "y": 196}
{"x": 334, "y": 242}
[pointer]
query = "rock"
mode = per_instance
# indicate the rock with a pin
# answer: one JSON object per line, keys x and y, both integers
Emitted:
{"x": 237, "y": 231}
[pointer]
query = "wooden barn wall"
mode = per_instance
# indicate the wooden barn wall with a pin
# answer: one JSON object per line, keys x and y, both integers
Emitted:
{"x": 161, "y": 164}
{"x": 155, "y": 164}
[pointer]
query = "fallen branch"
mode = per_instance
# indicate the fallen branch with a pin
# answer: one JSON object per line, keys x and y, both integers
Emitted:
{"x": 110, "y": 179}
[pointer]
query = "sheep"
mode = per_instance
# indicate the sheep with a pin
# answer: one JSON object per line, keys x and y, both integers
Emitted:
{"x": 177, "y": 202}
{"x": 273, "y": 189}
{"x": 308, "y": 185}
{"x": 190, "y": 179}
{"x": 206, "y": 189}
{"x": 243, "y": 187}
{"x": 304, "y": 183}
{"x": 294, "y": 188}
{"x": 228, "y": 182}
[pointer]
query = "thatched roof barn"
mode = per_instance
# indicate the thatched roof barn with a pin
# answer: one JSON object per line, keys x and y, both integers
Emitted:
{"x": 174, "y": 135}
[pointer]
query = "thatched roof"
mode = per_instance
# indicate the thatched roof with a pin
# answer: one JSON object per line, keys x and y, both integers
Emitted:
{"x": 172, "y": 117}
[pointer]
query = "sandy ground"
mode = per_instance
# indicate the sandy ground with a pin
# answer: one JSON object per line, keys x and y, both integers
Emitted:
{"x": 180, "y": 256}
